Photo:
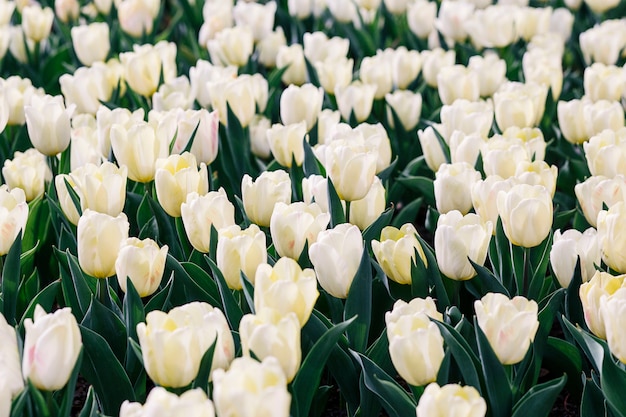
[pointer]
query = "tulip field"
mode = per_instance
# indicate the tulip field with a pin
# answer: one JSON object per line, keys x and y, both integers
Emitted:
{"x": 315, "y": 208}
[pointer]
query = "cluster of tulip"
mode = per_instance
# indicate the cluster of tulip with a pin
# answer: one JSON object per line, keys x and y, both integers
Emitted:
{"x": 218, "y": 203}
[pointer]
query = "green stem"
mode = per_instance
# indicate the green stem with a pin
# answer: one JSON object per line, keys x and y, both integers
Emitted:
{"x": 348, "y": 203}
{"x": 417, "y": 391}
{"x": 526, "y": 278}
{"x": 102, "y": 291}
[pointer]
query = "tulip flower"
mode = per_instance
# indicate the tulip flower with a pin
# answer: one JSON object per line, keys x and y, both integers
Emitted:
{"x": 593, "y": 294}
{"x": 143, "y": 262}
{"x": 293, "y": 225}
{"x": 199, "y": 213}
{"x": 261, "y": 195}
{"x": 48, "y": 123}
{"x": 13, "y": 216}
{"x": 99, "y": 238}
{"x": 395, "y": 252}
{"x": 240, "y": 251}
{"x": 451, "y": 400}
{"x": 193, "y": 403}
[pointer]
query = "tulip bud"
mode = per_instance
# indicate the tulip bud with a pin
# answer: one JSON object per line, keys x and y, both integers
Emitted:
{"x": 376, "y": 70}
{"x": 492, "y": 27}
{"x": 48, "y": 123}
{"x": 259, "y": 18}
{"x": 231, "y": 46}
{"x": 67, "y": 11}
{"x": 407, "y": 106}
{"x": 613, "y": 310}
{"x": 258, "y": 136}
{"x": 526, "y": 213}
{"x": 415, "y": 343}
{"x": 510, "y": 325}
{"x": 520, "y": 105}
{"x": 18, "y": 93}
{"x": 287, "y": 288}
{"x": 457, "y": 82}
{"x": 537, "y": 173}
{"x": 491, "y": 71}
{"x": 395, "y": 252}
{"x": 191, "y": 403}
{"x": 601, "y": 6}
{"x": 189, "y": 330}
{"x": 51, "y": 348}
{"x": 299, "y": 104}
{"x": 604, "y": 82}
{"x": 137, "y": 17}
{"x": 612, "y": 241}
{"x": 531, "y": 138}
{"x": 293, "y": 225}
{"x": 594, "y": 294}
{"x": 87, "y": 88}
{"x": 239, "y": 94}
{"x": 605, "y": 153}
{"x": 450, "y": 14}
{"x": 268, "y": 47}
{"x": 99, "y": 238}
{"x": 101, "y": 188}
{"x": 599, "y": 43}
{"x": 200, "y": 212}
{"x": 64, "y": 198}
{"x": 91, "y": 42}
{"x": 143, "y": 262}
{"x": 364, "y": 212}
{"x": 240, "y": 251}
{"x": 260, "y": 196}
{"x": 146, "y": 64}
{"x": 485, "y": 196}
{"x": 451, "y": 400}
{"x": 501, "y": 156}
{"x": 405, "y": 67}
{"x": 532, "y": 21}
{"x": 431, "y": 148}
{"x": 252, "y": 389}
{"x": 37, "y": 22}
{"x": 292, "y": 56}
{"x": 453, "y": 184}
{"x": 458, "y": 238}
{"x": 29, "y": 171}
{"x": 376, "y": 141}
{"x": 286, "y": 143}
{"x": 334, "y": 72}
{"x": 15, "y": 214}
{"x": 318, "y": 47}
{"x": 568, "y": 247}
{"x": 468, "y": 117}
{"x": 355, "y": 99}
{"x": 342, "y": 11}
{"x": 173, "y": 95}
{"x": 11, "y": 382}
{"x": 268, "y": 333}
{"x": 465, "y": 148}
{"x": 596, "y": 192}
{"x": 176, "y": 177}
{"x": 336, "y": 256}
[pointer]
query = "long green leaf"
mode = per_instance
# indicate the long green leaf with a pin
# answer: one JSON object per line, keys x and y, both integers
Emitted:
{"x": 374, "y": 229}
{"x": 231, "y": 308}
{"x": 11, "y": 280}
{"x": 592, "y": 403}
{"x": 167, "y": 230}
{"x": 204, "y": 371}
{"x": 538, "y": 401}
{"x": 310, "y": 371}
{"x": 108, "y": 325}
{"x": 81, "y": 289}
{"x": 468, "y": 362}
{"x": 45, "y": 298}
{"x": 592, "y": 346}
{"x": 613, "y": 380}
{"x": 68, "y": 398}
{"x": 337, "y": 214}
{"x": 359, "y": 304}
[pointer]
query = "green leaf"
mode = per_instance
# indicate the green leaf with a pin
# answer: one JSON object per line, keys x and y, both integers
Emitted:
{"x": 11, "y": 280}
{"x": 422, "y": 185}
{"x": 311, "y": 73}
{"x": 337, "y": 214}
{"x": 499, "y": 395}
{"x": 39, "y": 402}
{"x": 68, "y": 398}
{"x": 485, "y": 282}
{"x": 185, "y": 283}
{"x": 28, "y": 289}
{"x": 394, "y": 398}
{"x": 133, "y": 309}
{"x": 573, "y": 305}
{"x": 592, "y": 403}
{"x": 167, "y": 230}
{"x": 374, "y": 229}
{"x": 613, "y": 380}
{"x": 538, "y": 401}
{"x": 81, "y": 290}
{"x": 468, "y": 362}
{"x": 310, "y": 371}
{"x": 204, "y": 371}
{"x": 592, "y": 346}
{"x": 231, "y": 308}
{"x": 248, "y": 290}
{"x": 110, "y": 382}
{"x": 108, "y": 325}
{"x": 433, "y": 274}
{"x": 45, "y": 298}
{"x": 202, "y": 279}
{"x": 19, "y": 403}
{"x": 359, "y": 304}
{"x": 408, "y": 213}
{"x": 311, "y": 165}
{"x": 90, "y": 407}
{"x": 160, "y": 299}
{"x": 539, "y": 260}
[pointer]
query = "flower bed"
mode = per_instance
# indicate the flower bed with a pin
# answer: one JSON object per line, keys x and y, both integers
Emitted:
{"x": 310, "y": 207}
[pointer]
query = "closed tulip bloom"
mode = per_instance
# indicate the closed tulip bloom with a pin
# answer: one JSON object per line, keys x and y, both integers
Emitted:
{"x": 433, "y": 61}
{"x": 570, "y": 246}
{"x": 293, "y": 225}
{"x": 605, "y": 153}
{"x": 542, "y": 67}
{"x": 431, "y": 148}
{"x": 604, "y": 82}
{"x": 315, "y": 189}
{"x": 88, "y": 87}
{"x": 531, "y": 138}
{"x": 520, "y": 105}
{"x": 611, "y": 237}
{"x": 450, "y": 14}
{"x": 407, "y": 106}
{"x": 239, "y": 94}
{"x": 509, "y": 324}
{"x": 252, "y": 389}
{"x": 268, "y": 333}
{"x": 146, "y": 64}
{"x": 11, "y": 380}
{"x": 421, "y": 17}
{"x": 453, "y": 184}
{"x": 395, "y": 252}
{"x": 106, "y": 118}
{"x": 465, "y": 148}
{"x": 356, "y": 99}
{"x": 595, "y": 293}
{"x": 364, "y": 212}
{"x": 601, "y": 6}
{"x": 84, "y": 142}
{"x": 469, "y": 117}
{"x": 405, "y": 67}
{"x": 99, "y": 238}
{"x": 259, "y": 18}
{"x": 258, "y": 136}
{"x": 67, "y": 11}
{"x": 341, "y": 11}
{"x": 334, "y": 72}
{"x": 18, "y": 92}
{"x": 485, "y": 196}
{"x": 532, "y": 21}
{"x": 206, "y": 139}
{"x": 173, "y": 95}
{"x": 203, "y": 72}
{"x": 597, "y": 192}
{"x": 160, "y": 402}
{"x": 37, "y": 22}
{"x": 292, "y": 56}
{"x": 29, "y": 171}
{"x": 613, "y": 310}
{"x": 240, "y": 251}
{"x": 286, "y": 143}
{"x": 137, "y": 17}
{"x": 102, "y": 188}
{"x": 501, "y": 156}
{"x": 13, "y": 216}
{"x": 287, "y": 288}
{"x": 176, "y": 177}
{"x": 376, "y": 141}
{"x": 537, "y": 173}
{"x": 260, "y": 196}
{"x": 143, "y": 261}
{"x": 6, "y": 12}
{"x": 299, "y": 104}
{"x": 336, "y": 256}
{"x": 51, "y": 348}
{"x": 319, "y": 47}
{"x": 231, "y": 46}
{"x": 377, "y": 70}
{"x": 571, "y": 117}
{"x": 492, "y": 27}
{"x": 600, "y": 43}
{"x": 458, "y": 238}
{"x": 458, "y": 82}
{"x": 48, "y": 123}
{"x": 188, "y": 330}
{"x": 268, "y": 47}
{"x": 91, "y": 42}
{"x": 526, "y": 213}
{"x": 491, "y": 71}
{"x": 200, "y": 212}
{"x": 415, "y": 344}
{"x": 451, "y": 400}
